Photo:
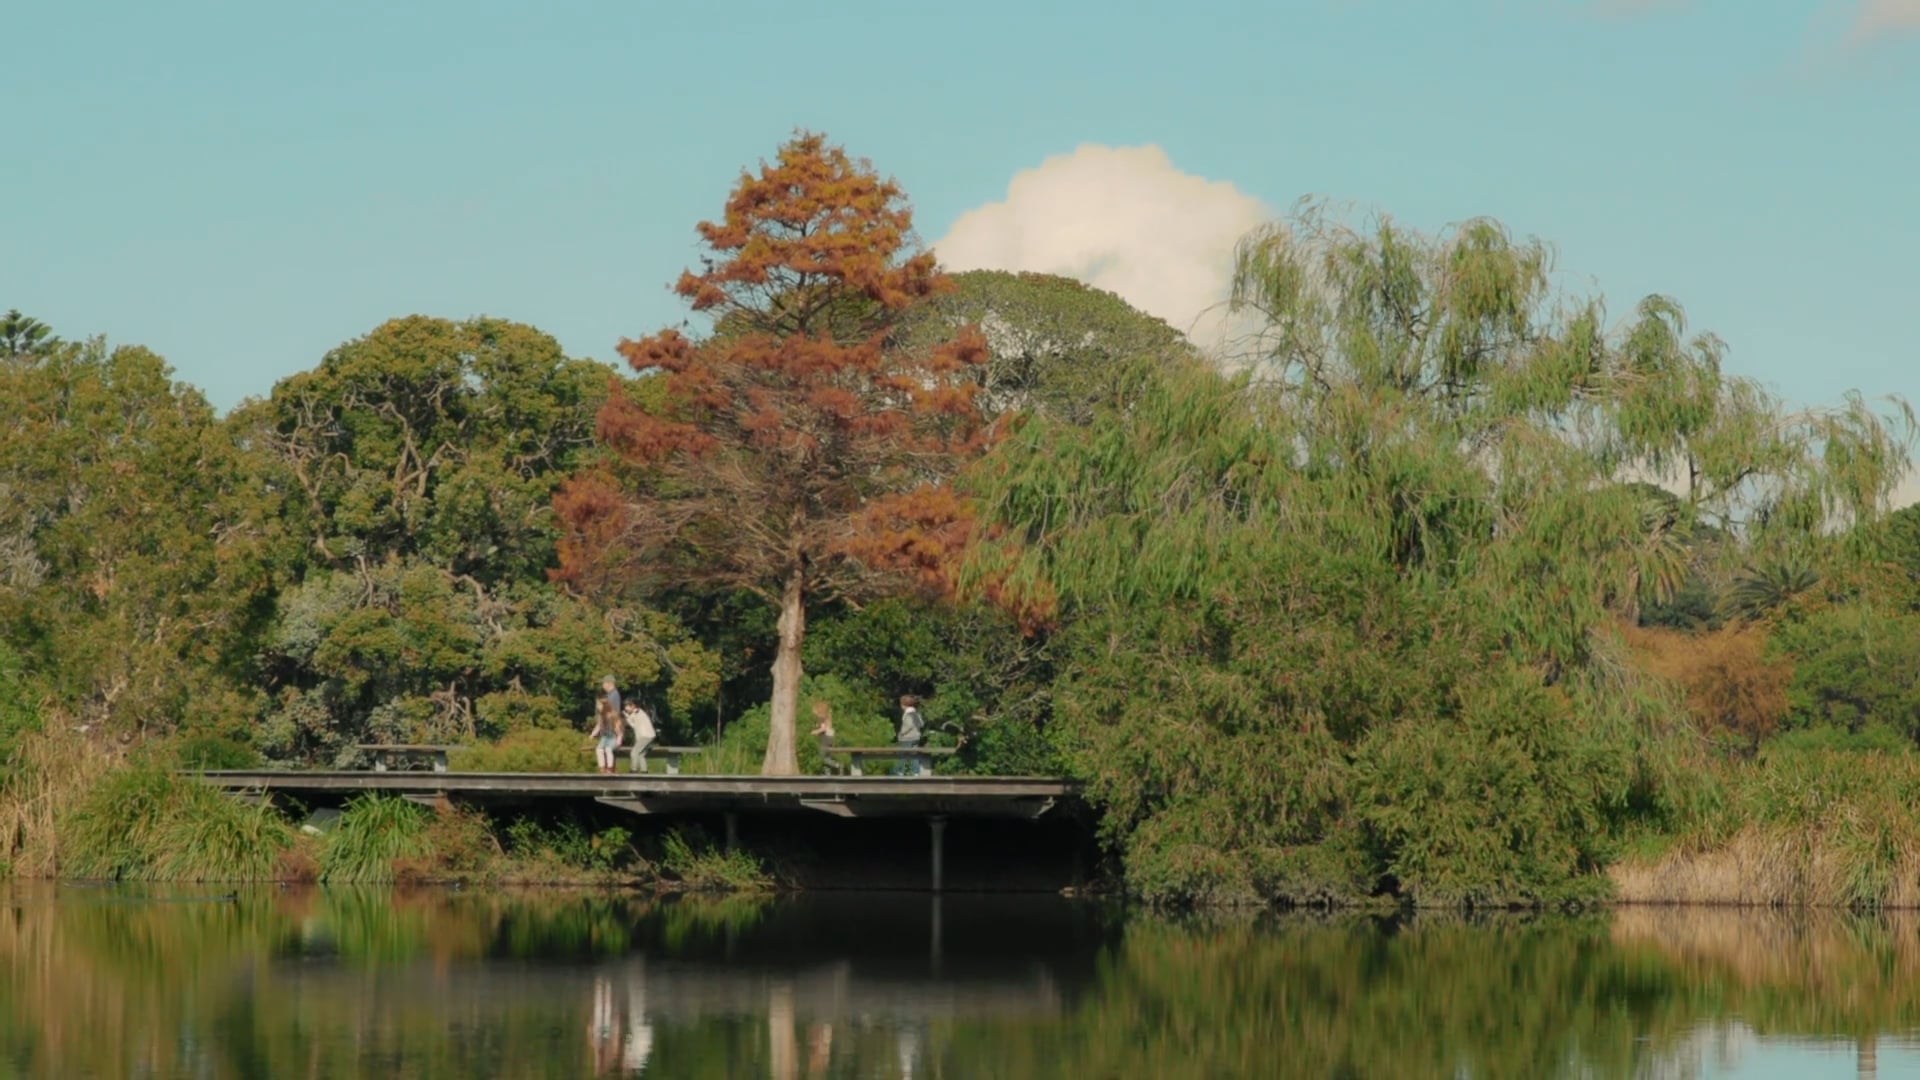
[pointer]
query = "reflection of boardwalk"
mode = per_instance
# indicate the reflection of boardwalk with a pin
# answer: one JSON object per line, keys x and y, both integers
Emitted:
{"x": 665, "y": 992}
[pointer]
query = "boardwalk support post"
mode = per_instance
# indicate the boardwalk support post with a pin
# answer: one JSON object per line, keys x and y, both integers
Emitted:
{"x": 733, "y": 830}
{"x": 939, "y": 825}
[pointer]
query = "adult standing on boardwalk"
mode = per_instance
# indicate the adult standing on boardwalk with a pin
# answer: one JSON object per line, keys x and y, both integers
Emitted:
{"x": 606, "y": 724}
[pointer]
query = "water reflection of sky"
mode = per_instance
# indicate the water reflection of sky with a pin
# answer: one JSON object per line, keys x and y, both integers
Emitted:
{"x": 1737, "y": 1054}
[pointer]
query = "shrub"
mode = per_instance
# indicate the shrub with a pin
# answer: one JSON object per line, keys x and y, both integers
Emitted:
{"x": 702, "y": 867}
{"x": 527, "y": 750}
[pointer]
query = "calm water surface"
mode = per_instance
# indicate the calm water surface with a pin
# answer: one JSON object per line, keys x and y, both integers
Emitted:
{"x": 105, "y": 982}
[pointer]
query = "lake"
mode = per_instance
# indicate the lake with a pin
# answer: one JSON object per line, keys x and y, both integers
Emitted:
{"x": 113, "y": 982}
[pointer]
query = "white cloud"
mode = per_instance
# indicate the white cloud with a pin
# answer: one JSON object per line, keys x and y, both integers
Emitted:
{"x": 1908, "y": 493}
{"x": 1882, "y": 18}
{"x": 1124, "y": 219}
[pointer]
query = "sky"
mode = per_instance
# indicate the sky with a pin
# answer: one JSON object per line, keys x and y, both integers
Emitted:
{"x": 243, "y": 186}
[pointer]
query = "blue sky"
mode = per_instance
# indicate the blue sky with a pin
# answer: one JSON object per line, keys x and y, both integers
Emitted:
{"x": 243, "y": 185}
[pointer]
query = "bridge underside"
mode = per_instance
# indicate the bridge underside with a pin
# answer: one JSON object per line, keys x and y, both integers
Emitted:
{"x": 933, "y": 799}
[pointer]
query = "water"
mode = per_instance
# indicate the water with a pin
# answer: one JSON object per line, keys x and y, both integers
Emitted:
{"x": 323, "y": 983}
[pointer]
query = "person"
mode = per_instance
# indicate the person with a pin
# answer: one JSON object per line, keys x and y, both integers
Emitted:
{"x": 603, "y": 1031}
{"x": 606, "y": 724}
{"x": 641, "y": 725}
{"x": 911, "y": 729}
{"x": 823, "y": 731}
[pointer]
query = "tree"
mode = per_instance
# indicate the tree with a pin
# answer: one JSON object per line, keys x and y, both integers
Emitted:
{"x": 1055, "y": 345}
{"x": 418, "y": 465}
{"x": 1346, "y": 622}
{"x": 791, "y": 449}
{"x": 132, "y": 562}
{"x": 22, "y": 335}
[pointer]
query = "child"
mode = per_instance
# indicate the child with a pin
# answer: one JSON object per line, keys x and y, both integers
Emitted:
{"x": 606, "y": 724}
{"x": 911, "y": 728}
{"x": 823, "y": 731}
{"x": 643, "y": 734}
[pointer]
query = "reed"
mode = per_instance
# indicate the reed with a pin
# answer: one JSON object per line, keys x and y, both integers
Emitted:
{"x": 1815, "y": 828}
{"x": 49, "y": 778}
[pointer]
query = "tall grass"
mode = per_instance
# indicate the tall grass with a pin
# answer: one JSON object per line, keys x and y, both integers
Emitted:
{"x": 145, "y": 823}
{"x": 46, "y": 781}
{"x": 214, "y": 837}
{"x": 373, "y": 832}
{"x": 1795, "y": 828}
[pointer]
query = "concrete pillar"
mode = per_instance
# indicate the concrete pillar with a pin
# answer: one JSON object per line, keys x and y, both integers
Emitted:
{"x": 733, "y": 830}
{"x": 939, "y": 824}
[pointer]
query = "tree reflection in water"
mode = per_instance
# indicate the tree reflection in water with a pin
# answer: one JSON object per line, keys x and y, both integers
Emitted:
{"x": 312, "y": 983}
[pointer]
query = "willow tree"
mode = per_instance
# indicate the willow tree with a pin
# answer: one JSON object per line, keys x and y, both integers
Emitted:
{"x": 1342, "y": 621}
{"x": 784, "y": 453}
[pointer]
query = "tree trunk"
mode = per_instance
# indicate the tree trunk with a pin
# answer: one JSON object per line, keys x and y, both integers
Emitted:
{"x": 780, "y": 759}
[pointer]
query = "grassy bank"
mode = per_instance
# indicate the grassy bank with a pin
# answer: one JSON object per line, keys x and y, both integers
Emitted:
{"x": 69, "y": 810}
{"x": 1824, "y": 828}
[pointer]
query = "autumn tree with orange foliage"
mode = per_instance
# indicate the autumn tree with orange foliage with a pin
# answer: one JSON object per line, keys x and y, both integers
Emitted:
{"x": 1729, "y": 681}
{"x": 801, "y": 451}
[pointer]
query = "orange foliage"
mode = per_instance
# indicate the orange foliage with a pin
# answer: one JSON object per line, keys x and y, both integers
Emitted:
{"x": 799, "y": 442}
{"x": 1729, "y": 682}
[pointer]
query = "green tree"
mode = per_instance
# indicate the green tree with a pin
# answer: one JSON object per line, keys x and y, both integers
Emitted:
{"x": 1054, "y": 345}
{"x": 133, "y": 564}
{"x": 1343, "y": 623}
{"x": 419, "y": 464}
{"x": 23, "y": 335}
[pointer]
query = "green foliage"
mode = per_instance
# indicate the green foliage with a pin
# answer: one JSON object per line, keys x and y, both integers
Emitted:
{"x": 702, "y": 867}
{"x": 980, "y": 678}
{"x": 533, "y": 750}
{"x": 600, "y": 852}
{"x": 373, "y": 832}
{"x": 1855, "y": 667}
{"x": 1342, "y": 625}
{"x": 214, "y": 752}
{"x": 420, "y": 462}
{"x": 1871, "y": 738}
{"x": 18, "y": 714}
{"x": 1057, "y": 347}
{"x": 134, "y": 558}
{"x": 144, "y": 822}
{"x": 858, "y": 720}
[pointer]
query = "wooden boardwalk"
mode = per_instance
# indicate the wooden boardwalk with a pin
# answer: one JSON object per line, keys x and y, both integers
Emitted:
{"x": 842, "y": 796}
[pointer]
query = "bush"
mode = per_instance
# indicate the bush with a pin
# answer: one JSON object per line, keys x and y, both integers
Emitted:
{"x": 702, "y": 867}
{"x": 564, "y": 850}
{"x": 214, "y": 752}
{"x": 528, "y": 750}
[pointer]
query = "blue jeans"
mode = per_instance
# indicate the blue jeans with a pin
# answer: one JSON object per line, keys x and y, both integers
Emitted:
{"x": 905, "y": 766}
